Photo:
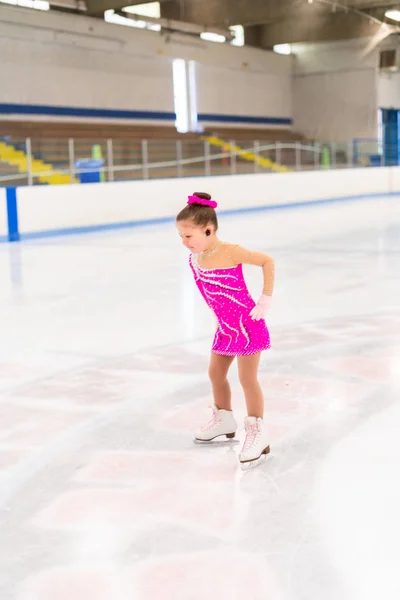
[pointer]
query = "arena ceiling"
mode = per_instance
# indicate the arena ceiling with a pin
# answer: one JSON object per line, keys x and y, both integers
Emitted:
{"x": 269, "y": 22}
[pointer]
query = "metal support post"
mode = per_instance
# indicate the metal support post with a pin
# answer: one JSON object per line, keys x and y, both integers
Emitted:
{"x": 298, "y": 156}
{"x": 110, "y": 160}
{"x": 179, "y": 166}
{"x": 317, "y": 155}
{"x": 71, "y": 158}
{"x": 256, "y": 156}
{"x": 233, "y": 157}
{"x": 333, "y": 156}
{"x": 29, "y": 161}
{"x": 145, "y": 159}
{"x": 278, "y": 153}
{"x": 350, "y": 157}
{"x": 207, "y": 164}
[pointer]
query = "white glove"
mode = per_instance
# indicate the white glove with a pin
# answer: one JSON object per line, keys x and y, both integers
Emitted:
{"x": 261, "y": 308}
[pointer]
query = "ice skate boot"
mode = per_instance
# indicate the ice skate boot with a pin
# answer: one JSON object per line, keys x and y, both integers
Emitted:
{"x": 256, "y": 445}
{"x": 222, "y": 424}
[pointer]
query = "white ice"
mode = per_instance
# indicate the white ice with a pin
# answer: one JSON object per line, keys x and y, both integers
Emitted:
{"x": 104, "y": 350}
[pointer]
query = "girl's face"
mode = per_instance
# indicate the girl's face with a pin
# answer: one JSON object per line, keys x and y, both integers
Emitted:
{"x": 194, "y": 238}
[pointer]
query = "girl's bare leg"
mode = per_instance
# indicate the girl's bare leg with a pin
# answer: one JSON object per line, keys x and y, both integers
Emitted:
{"x": 218, "y": 371}
{"x": 248, "y": 371}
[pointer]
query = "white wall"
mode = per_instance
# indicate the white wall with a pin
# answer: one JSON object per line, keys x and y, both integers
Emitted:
{"x": 49, "y": 66}
{"x": 59, "y": 59}
{"x": 335, "y": 90}
{"x": 3, "y": 213}
{"x": 53, "y": 75}
{"x": 61, "y": 207}
{"x": 262, "y": 92}
{"x": 389, "y": 90}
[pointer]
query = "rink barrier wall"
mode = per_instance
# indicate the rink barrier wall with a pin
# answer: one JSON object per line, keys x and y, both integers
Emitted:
{"x": 43, "y": 211}
{"x": 3, "y": 216}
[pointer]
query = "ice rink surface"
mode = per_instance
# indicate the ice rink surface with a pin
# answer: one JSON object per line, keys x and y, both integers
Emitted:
{"x": 104, "y": 352}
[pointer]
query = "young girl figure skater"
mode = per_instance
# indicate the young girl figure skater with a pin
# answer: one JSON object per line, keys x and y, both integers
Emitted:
{"x": 241, "y": 329}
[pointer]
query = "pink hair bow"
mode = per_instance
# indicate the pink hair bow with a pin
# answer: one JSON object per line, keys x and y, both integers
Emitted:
{"x": 203, "y": 201}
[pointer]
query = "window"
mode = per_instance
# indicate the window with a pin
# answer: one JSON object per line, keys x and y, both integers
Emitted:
{"x": 193, "y": 96}
{"x": 180, "y": 95}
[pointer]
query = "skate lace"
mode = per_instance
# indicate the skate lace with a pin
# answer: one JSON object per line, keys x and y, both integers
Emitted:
{"x": 252, "y": 433}
{"x": 213, "y": 421}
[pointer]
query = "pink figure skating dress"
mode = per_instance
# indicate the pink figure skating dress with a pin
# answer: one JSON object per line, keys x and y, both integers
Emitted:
{"x": 225, "y": 291}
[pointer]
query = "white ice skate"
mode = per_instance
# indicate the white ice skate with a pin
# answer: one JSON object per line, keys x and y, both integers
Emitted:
{"x": 222, "y": 424}
{"x": 256, "y": 445}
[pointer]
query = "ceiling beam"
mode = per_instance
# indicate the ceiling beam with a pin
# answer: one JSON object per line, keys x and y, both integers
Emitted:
{"x": 243, "y": 12}
{"x": 337, "y": 26}
{"x": 361, "y": 4}
{"x": 97, "y": 7}
{"x": 222, "y": 13}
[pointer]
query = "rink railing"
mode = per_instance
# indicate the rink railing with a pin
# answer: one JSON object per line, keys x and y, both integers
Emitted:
{"x": 143, "y": 159}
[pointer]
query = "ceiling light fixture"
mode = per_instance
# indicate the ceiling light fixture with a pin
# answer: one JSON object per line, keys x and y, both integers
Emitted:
{"x": 393, "y": 14}
{"x": 36, "y": 4}
{"x": 213, "y": 37}
{"x": 282, "y": 49}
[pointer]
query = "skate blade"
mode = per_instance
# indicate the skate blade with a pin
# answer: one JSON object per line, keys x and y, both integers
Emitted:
{"x": 251, "y": 464}
{"x": 218, "y": 440}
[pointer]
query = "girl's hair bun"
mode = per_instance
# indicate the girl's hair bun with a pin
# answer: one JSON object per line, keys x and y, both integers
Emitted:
{"x": 202, "y": 195}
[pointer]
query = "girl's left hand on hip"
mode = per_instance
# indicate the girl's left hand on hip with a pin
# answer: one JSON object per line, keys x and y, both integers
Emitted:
{"x": 261, "y": 308}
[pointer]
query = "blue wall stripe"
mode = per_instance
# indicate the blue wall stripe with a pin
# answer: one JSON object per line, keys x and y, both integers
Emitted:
{"x": 12, "y": 214}
{"x": 106, "y": 113}
{"x": 214, "y": 118}
{"x": 255, "y": 209}
{"x": 71, "y": 111}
